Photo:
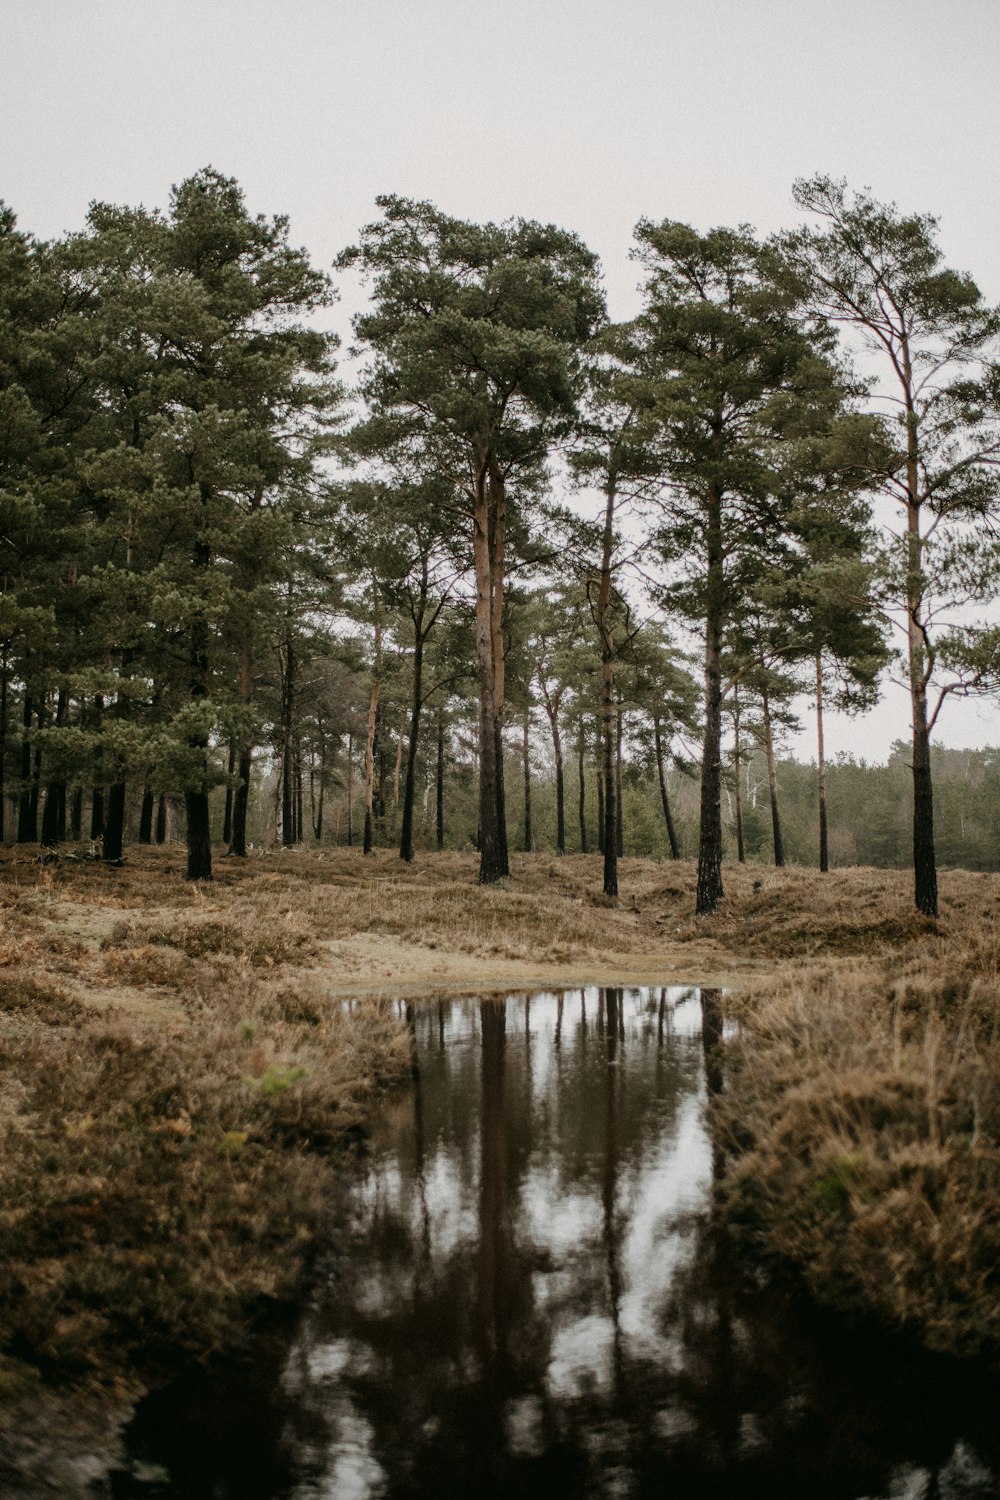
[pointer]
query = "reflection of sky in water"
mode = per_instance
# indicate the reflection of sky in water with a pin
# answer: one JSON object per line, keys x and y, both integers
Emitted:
{"x": 533, "y": 1301}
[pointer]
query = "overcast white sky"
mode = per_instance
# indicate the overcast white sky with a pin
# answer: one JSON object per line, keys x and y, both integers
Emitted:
{"x": 587, "y": 114}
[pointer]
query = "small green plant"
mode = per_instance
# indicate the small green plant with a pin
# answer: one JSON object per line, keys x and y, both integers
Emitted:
{"x": 275, "y": 1080}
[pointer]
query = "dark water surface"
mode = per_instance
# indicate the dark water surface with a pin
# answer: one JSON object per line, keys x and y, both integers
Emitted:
{"x": 535, "y": 1302}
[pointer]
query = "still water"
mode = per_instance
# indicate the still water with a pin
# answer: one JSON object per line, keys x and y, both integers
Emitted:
{"x": 535, "y": 1300}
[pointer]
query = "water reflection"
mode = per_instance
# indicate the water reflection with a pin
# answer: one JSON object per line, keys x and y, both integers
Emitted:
{"x": 536, "y": 1300}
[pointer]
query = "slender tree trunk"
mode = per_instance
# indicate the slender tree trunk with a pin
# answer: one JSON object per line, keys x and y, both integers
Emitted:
{"x": 76, "y": 815}
{"x": 772, "y": 780}
{"x": 675, "y": 851}
{"x": 920, "y": 663}
{"x": 602, "y": 615}
{"x": 600, "y": 803}
{"x": 199, "y": 829}
{"x": 350, "y": 790}
{"x": 227, "y": 821}
{"x": 244, "y": 763}
{"x": 492, "y": 853}
{"x": 369, "y": 842}
{"x": 55, "y": 792}
{"x": 741, "y": 854}
{"x": 146, "y": 818}
{"x": 619, "y": 835}
{"x": 114, "y": 835}
{"x": 299, "y": 807}
{"x": 439, "y": 810}
{"x": 318, "y": 825}
{"x": 27, "y": 826}
{"x": 287, "y": 748}
{"x": 161, "y": 819}
{"x": 526, "y": 761}
{"x": 97, "y": 791}
{"x": 498, "y": 548}
{"x": 4, "y": 686}
{"x": 416, "y": 703}
{"x": 709, "y": 892}
{"x": 560, "y": 782}
{"x": 824, "y": 844}
{"x": 582, "y": 780}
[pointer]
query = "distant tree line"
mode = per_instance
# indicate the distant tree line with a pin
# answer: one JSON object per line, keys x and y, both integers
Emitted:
{"x": 525, "y": 537}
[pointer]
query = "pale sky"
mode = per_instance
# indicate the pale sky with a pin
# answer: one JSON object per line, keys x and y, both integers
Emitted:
{"x": 585, "y": 114}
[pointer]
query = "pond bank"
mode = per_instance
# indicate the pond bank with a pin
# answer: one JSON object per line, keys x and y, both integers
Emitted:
{"x": 176, "y": 1082}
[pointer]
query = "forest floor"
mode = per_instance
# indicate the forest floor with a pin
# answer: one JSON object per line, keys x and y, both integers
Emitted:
{"x": 178, "y": 1075}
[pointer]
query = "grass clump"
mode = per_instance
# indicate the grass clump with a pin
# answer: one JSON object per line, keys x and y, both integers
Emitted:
{"x": 863, "y": 1116}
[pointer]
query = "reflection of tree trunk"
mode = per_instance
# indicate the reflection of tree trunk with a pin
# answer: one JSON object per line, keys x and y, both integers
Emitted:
{"x": 711, "y": 1042}
{"x": 772, "y": 779}
{"x": 493, "y": 1209}
{"x": 609, "y": 1186}
{"x": 418, "y": 1132}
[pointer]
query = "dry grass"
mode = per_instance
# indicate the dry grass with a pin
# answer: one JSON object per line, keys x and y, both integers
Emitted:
{"x": 174, "y": 1066}
{"x": 863, "y": 1111}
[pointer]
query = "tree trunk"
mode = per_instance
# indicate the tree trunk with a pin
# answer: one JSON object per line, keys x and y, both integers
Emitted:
{"x": 114, "y": 834}
{"x": 76, "y": 815}
{"x": 600, "y": 803}
{"x": 824, "y": 845}
{"x": 920, "y": 664}
{"x": 602, "y": 615}
{"x": 582, "y": 780}
{"x": 244, "y": 764}
{"x": 772, "y": 780}
{"x": 227, "y": 821}
{"x": 318, "y": 824}
{"x": 146, "y": 818}
{"x": 709, "y": 891}
{"x": 741, "y": 854}
{"x": 416, "y": 703}
{"x": 161, "y": 819}
{"x": 497, "y": 534}
{"x": 350, "y": 790}
{"x": 560, "y": 784}
{"x": 369, "y": 840}
{"x": 492, "y": 841}
{"x": 528, "y": 837}
{"x": 4, "y": 685}
{"x": 199, "y": 831}
{"x": 27, "y": 826}
{"x": 619, "y": 834}
{"x": 54, "y": 811}
{"x": 299, "y": 808}
{"x": 675, "y": 852}
{"x": 439, "y": 811}
{"x": 97, "y": 792}
{"x": 287, "y": 765}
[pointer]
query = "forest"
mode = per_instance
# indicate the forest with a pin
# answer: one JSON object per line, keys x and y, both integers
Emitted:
{"x": 510, "y": 574}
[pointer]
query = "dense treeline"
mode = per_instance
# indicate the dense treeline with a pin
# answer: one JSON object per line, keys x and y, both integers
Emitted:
{"x": 527, "y": 536}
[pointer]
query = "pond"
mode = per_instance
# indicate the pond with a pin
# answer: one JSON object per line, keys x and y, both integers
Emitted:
{"x": 535, "y": 1300}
